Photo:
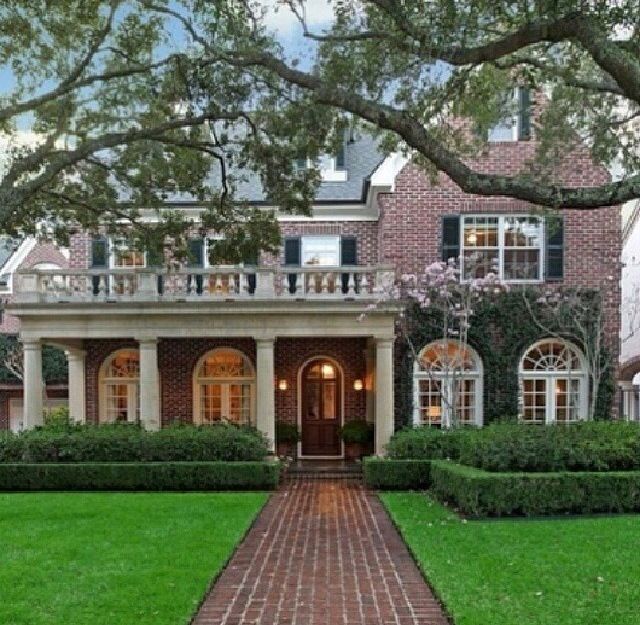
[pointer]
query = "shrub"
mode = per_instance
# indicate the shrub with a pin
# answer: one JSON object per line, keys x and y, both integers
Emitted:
{"x": 386, "y": 474}
{"x": 357, "y": 432}
{"x": 150, "y": 476}
{"x": 481, "y": 493}
{"x": 287, "y": 432}
{"x": 588, "y": 446}
{"x": 130, "y": 443}
{"x": 427, "y": 443}
{"x": 57, "y": 417}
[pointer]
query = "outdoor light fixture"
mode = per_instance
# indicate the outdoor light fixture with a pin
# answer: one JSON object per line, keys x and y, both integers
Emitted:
{"x": 282, "y": 384}
{"x": 357, "y": 385}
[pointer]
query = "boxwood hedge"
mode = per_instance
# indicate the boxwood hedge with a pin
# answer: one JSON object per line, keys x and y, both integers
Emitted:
{"x": 130, "y": 443}
{"x": 481, "y": 493}
{"x": 387, "y": 474}
{"x": 140, "y": 476}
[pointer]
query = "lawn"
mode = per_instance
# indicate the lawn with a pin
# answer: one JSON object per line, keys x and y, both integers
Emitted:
{"x": 574, "y": 571}
{"x": 114, "y": 559}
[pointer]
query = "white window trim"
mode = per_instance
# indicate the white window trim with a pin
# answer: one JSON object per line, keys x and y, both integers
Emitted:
{"x": 198, "y": 382}
{"x": 307, "y": 237}
{"x": 551, "y": 376}
{"x": 501, "y": 247}
{"x": 515, "y": 121}
{"x": 113, "y": 249}
{"x": 447, "y": 388}
{"x": 133, "y": 389}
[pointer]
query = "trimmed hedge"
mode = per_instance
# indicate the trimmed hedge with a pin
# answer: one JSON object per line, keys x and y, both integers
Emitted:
{"x": 148, "y": 476}
{"x": 396, "y": 474}
{"x": 130, "y": 443}
{"x": 480, "y": 493}
{"x": 427, "y": 443}
{"x": 587, "y": 446}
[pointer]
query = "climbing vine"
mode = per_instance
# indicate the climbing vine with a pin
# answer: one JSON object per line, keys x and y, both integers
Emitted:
{"x": 501, "y": 328}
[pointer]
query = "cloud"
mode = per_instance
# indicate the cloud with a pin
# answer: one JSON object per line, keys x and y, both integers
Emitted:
{"x": 280, "y": 18}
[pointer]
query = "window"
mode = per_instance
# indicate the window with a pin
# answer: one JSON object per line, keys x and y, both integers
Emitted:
{"x": 554, "y": 383}
{"x": 120, "y": 387}
{"x": 123, "y": 257}
{"x": 510, "y": 246}
{"x": 224, "y": 388}
{"x": 321, "y": 251}
{"x": 447, "y": 385}
{"x": 515, "y": 124}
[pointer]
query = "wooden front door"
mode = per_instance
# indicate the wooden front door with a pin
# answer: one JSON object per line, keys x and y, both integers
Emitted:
{"x": 321, "y": 403}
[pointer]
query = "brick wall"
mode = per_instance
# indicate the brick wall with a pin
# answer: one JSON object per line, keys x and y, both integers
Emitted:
{"x": 41, "y": 253}
{"x": 177, "y": 359}
{"x": 410, "y": 227}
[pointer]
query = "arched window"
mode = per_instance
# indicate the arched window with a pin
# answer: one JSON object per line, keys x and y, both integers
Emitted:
{"x": 120, "y": 387}
{"x": 554, "y": 383}
{"x": 447, "y": 380}
{"x": 224, "y": 382}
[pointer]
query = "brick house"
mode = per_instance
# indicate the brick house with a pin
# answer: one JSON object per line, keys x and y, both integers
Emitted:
{"x": 283, "y": 339}
{"x": 23, "y": 255}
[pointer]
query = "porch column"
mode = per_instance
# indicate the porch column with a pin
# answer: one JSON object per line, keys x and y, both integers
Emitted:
{"x": 265, "y": 391}
{"x": 384, "y": 393}
{"x": 76, "y": 361}
{"x": 32, "y": 384}
{"x": 149, "y": 385}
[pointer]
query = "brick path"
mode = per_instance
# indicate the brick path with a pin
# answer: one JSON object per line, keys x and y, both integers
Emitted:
{"x": 322, "y": 552}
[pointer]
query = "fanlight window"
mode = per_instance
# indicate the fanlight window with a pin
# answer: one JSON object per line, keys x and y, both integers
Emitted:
{"x": 120, "y": 387}
{"x": 554, "y": 383}
{"x": 447, "y": 385}
{"x": 224, "y": 388}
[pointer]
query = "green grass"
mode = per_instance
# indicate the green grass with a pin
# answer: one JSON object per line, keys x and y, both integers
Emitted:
{"x": 115, "y": 559}
{"x": 573, "y": 571}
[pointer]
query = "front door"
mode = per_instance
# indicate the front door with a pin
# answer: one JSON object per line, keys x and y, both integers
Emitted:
{"x": 321, "y": 416}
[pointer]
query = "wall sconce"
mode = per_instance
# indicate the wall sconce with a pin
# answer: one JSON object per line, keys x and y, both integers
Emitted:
{"x": 282, "y": 384}
{"x": 357, "y": 385}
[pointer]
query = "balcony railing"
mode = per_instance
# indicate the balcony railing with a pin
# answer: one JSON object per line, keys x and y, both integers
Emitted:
{"x": 216, "y": 283}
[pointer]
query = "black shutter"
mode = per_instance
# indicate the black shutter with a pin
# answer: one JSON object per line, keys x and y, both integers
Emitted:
{"x": 195, "y": 248}
{"x": 524, "y": 114}
{"x": 555, "y": 250}
{"x": 99, "y": 259}
{"x": 451, "y": 237}
{"x": 291, "y": 259}
{"x": 340, "y": 160}
{"x": 155, "y": 259}
{"x": 251, "y": 261}
{"x": 348, "y": 257}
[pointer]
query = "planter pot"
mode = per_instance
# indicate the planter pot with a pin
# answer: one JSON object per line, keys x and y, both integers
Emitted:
{"x": 356, "y": 451}
{"x": 287, "y": 449}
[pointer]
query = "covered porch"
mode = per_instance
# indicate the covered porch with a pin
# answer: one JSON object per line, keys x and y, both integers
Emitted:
{"x": 312, "y": 363}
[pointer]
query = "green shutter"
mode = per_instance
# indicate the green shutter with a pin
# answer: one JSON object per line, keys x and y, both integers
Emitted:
{"x": 555, "y": 250}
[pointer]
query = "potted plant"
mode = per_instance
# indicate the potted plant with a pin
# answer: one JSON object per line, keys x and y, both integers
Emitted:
{"x": 358, "y": 438}
{"x": 287, "y": 437}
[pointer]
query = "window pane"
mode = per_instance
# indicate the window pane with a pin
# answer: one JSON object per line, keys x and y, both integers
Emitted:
{"x": 479, "y": 263}
{"x": 466, "y": 401}
{"x": 480, "y": 232}
{"x": 321, "y": 251}
{"x": 211, "y": 403}
{"x": 329, "y": 400}
{"x": 430, "y": 402}
{"x": 534, "y": 400}
{"x": 522, "y": 232}
{"x": 522, "y": 264}
{"x": 567, "y": 403}
{"x": 239, "y": 403}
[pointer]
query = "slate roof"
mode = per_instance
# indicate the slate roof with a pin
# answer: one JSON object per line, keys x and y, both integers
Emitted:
{"x": 362, "y": 157}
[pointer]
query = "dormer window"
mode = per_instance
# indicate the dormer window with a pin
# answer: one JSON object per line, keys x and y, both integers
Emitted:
{"x": 516, "y": 123}
{"x": 332, "y": 168}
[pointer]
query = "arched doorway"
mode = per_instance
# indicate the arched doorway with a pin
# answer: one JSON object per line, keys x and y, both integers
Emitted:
{"x": 321, "y": 407}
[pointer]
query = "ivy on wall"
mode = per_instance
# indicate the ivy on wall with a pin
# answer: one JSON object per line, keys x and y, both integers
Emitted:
{"x": 54, "y": 363}
{"x": 501, "y": 329}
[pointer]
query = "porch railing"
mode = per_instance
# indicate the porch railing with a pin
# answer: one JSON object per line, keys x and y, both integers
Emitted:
{"x": 216, "y": 283}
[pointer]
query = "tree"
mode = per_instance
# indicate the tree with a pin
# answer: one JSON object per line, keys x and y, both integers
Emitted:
{"x": 412, "y": 67}
{"x": 106, "y": 110}
{"x": 452, "y": 303}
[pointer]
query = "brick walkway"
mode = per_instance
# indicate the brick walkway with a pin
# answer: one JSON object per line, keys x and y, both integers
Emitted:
{"x": 323, "y": 552}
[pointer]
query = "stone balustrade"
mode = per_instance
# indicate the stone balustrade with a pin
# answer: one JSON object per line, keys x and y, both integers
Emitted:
{"x": 215, "y": 283}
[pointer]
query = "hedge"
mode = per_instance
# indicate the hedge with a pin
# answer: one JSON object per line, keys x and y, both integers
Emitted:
{"x": 130, "y": 443}
{"x": 148, "y": 476}
{"x": 386, "y": 474}
{"x": 427, "y": 443}
{"x": 586, "y": 446}
{"x": 480, "y": 493}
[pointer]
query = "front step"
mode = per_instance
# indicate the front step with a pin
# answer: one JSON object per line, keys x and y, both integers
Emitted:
{"x": 324, "y": 469}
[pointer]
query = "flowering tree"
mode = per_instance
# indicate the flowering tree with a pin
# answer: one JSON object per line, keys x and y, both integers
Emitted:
{"x": 439, "y": 289}
{"x": 575, "y": 315}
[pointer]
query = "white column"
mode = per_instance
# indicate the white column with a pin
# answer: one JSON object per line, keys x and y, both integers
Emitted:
{"x": 369, "y": 381}
{"x": 384, "y": 394}
{"x": 77, "y": 398}
{"x": 32, "y": 384}
{"x": 265, "y": 390}
{"x": 149, "y": 385}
